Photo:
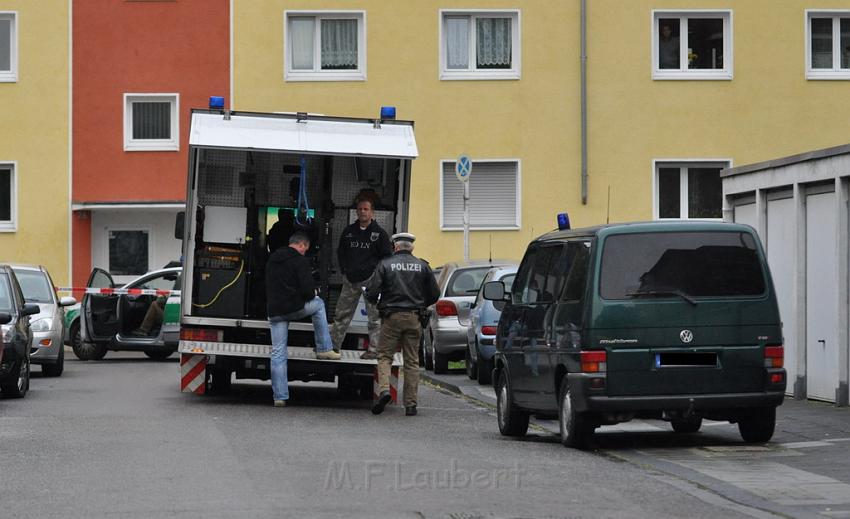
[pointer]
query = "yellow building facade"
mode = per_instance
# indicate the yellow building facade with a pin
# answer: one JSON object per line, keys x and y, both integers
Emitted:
{"x": 731, "y": 83}
{"x": 34, "y": 134}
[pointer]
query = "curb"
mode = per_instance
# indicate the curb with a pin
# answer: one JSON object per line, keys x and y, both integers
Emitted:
{"x": 423, "y": 375}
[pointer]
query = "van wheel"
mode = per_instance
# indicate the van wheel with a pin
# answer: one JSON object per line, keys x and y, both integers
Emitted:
{"x": 471, "y": 367}
{"x": 441, "y": 363}
{"x": 55, "y": 370}
{"x": 17, "y": 386}
{"x": 428, "y": 356}
{"x": 686, "y": 426}
{"x": 512, "y": 420}
{"x": 758, "y": 426}
{"x": 576, "y": 428}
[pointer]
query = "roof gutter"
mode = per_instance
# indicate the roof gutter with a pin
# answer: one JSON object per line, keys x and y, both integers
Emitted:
{"x": 584, "y": 102}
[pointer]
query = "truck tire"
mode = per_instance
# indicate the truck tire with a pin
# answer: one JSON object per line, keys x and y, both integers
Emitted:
{"x": 686, "y": 426}
{"x": 512, "y": 420}
{"x": 55, "y": 369}
{"x": 441, "y": 363}
{"x": 758, "y": 426}
{"x": 16, "y": 386}
{"x": 89, "y": 350}
{"x": 575, "y": 427}
{"x": 471, "y": 367}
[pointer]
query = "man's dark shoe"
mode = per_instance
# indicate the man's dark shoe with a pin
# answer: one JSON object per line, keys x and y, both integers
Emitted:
{"x": 382, "y": 402}
{"x": 410, "y": 410}
{"x": 369, "y": 355}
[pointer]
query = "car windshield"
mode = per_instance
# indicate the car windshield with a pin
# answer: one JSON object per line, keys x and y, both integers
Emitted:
{"x": 5, "y": 295}
{"x": 465, "y": 282}
{"x": 680, "y": 264}
{"x": 35, "y": 286}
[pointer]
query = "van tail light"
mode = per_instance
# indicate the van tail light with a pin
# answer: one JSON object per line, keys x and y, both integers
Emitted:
{"x": 774, "y": 356}
{"x": 594, "y": 361}
{"x": 201, "y": 334}
{"x": 446, "y": 308}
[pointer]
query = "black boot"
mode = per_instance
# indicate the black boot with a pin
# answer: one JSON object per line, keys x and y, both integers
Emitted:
{"x": 410, "y": 410}
{"x": 382, "y": 402}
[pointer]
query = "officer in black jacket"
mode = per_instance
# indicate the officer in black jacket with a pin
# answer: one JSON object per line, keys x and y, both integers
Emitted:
{"x": 406, "y": 287}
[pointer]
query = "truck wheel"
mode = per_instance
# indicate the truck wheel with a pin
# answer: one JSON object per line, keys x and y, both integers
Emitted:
{"x": 55, "y": 370}
{"x": 758, "y": 426}
{"x": 471, "y": 367}
{"x": 429, "y": 357}
{"x": 512, "y": 420}
{"x": 686, "y": 426}
{"x": 159, "y": 354}
{"x": 485, "y": 371}
{"x": 16, "y": 386}
{"x": 576, "y": 428}
{"x": 88, "y": 350}
{"x": 441, "y": 363}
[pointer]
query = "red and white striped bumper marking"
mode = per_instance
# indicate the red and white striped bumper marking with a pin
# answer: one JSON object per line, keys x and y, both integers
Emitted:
{"x": 393, "y": 384}
{"x": 120, "y": 291}
{"x": 193, "y": 373}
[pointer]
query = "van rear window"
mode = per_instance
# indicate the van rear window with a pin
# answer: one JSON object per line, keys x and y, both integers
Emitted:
{"x": 670, "y": 264}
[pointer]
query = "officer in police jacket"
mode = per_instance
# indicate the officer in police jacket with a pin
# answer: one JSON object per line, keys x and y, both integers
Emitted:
{"x": 403, "y": 286}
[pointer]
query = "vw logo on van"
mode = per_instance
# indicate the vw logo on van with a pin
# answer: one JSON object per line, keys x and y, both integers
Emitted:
{"x": 686, "y": 336}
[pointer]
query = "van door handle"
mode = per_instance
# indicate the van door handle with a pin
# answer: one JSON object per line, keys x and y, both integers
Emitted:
{"x": 822, "y": 342}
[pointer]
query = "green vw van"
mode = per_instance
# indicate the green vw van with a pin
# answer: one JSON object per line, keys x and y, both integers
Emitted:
{"x": 670, "y": 320}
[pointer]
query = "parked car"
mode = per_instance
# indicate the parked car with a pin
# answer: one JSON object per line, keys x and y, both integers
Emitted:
{"x": 668, "y": 320}
{"x": 16, "y": 335}
{"x": 48, "y": 325}
{"x": 483, "y": 320}
{"x": 444, "y": 338}
{"x": 109, "y": 321}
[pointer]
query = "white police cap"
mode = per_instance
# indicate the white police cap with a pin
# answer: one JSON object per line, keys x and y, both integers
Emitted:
{"x": 404, "y": 236}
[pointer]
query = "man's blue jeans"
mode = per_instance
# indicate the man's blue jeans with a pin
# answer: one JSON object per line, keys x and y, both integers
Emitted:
{"x": 279, "y": 325}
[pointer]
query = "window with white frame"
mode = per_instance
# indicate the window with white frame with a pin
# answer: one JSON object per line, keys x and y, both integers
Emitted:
{"x": 325, "y": 46}
{"x": 493, "y": 196}
{"x": 687, "y": 190}
{"x": 692, "y": 44}
{"x": 828, "y": 44}
{"x": 151, "y": 122}
{"x": 479, "y": 45}
{"x": 8, "y": 47}
{"x": 8, "y": 197}
{"x": 128, "y": 252}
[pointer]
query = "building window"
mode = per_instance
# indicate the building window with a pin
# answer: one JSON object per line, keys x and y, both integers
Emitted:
{"x": 8, "y": 198}
{"x": 128, "y": 252}
{"x": 325, "y": 46}
{"x": 479, "y": 45}
{"x": 828, "y": 45}
{"x": 151, "y": 122}
{"x": 689, "y": 190}
{"x": 692, "y": 44}
{"x": 493, "y": 196}
{"x": 8, "y": 47}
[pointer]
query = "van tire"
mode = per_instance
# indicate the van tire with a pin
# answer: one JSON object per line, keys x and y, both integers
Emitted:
{"x": 441, "y": 363}
{"x": 758, "y": 426}
{"x": 576, "y": 428}
{"x": 471, "y": 367}
{"x": 512, "y": 420}
{"x": 686, "y": 426}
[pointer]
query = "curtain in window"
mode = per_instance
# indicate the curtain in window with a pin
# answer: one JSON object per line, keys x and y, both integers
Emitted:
{"x": 5, "y": 194}
{"x": 845, "y": 42}
{"x": 494, "y": 43}
{"x": 151, "y": 120}
{"x": 821, "y": 42}
{"x": 5, "y": 44}
{"x": 457, "y": 43}
{"x": 301, "y": 37}
{"x": 339, "y": 44}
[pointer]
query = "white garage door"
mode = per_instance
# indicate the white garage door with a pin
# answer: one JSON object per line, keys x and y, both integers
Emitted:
{"x": 746, "y": 214}
{"x": 781, "y": 237}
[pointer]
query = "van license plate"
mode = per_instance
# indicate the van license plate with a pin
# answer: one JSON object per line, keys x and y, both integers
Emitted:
{"x": 685, "y": 360}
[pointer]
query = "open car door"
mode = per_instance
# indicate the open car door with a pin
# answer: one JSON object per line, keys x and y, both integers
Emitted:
{"x": 100, "y": 311}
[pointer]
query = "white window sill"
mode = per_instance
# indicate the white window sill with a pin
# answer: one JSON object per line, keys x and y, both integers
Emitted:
{"x": 325, "y": 76}
{"x": 152, "y": 146}
{"x": 691, "y": 75}
{"x": 8, "y": 227}
{"x": 828, "y": 74}
{"x": 8, "y": 77}
{"x": 478, "y": 75}
{"x": 479, "y": 228}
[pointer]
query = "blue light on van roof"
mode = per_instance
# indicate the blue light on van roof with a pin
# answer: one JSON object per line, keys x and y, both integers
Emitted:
{"x": 563, "y": 221}
{"x": 216, "y": 103}
{"x": 387, "y": 112}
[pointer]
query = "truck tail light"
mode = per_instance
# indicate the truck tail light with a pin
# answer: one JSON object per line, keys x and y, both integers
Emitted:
{"x": 488, "y": 330}
{"x": 446, "y": 308}
{"x": 594, "y": 361}
{"x": 774, "y": 356}
{"x": 201, "y": 334}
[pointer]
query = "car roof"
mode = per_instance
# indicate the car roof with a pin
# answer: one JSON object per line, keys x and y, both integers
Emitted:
{"x": 476, "y": 263}
{"x": 153, "y": 272}
{"x": 26, "y": 266}
{"x": 643, "y": 227}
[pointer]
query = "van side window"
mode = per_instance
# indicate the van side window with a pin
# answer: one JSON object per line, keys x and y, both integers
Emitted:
{"x": 577, "y": 259}
{"x": 541, "y": 275}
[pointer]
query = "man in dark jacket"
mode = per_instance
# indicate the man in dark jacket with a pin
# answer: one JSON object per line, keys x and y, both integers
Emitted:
{"x": 361, "y": 246}
{"x": 291, "y": 295}
{"x": 406, "y": 287}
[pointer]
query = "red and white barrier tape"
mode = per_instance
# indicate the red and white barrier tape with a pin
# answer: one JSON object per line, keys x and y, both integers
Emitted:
{"x": 120, "y": 291}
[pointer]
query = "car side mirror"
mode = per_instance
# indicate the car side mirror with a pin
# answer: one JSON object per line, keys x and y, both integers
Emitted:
{"x": 30, "y": 309}
{"x": 494, "y": 291}
{"x": 67, "y": 301}
{"x": 5, "y": 317}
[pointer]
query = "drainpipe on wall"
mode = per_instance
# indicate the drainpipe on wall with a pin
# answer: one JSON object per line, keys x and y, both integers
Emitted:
{"x": 584, "y": 102}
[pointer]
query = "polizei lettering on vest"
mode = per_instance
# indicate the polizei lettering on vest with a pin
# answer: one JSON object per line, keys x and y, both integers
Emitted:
{"x": 412, "y": 267}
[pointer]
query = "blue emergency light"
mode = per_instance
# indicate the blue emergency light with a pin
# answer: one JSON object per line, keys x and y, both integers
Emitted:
{"x": 216, "y": 103}
{"x": 563, "y": 221}
{"x": 387, "y": 112}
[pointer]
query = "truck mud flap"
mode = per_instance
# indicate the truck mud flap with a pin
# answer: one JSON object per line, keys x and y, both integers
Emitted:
{"x": 393, "y": 384}
{"x": 193, "y": 373}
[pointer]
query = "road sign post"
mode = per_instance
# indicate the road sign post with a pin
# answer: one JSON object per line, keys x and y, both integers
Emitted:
{"x": 463, "y": 170}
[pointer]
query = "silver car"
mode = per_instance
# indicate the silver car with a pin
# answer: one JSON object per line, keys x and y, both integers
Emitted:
{"x": 483, "y": 321}
{"x": 48, "y": 325}
{"x": 444, "y": 338}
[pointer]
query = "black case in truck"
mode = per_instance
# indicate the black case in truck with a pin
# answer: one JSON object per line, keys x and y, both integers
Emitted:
{"x": 246, "y": 168}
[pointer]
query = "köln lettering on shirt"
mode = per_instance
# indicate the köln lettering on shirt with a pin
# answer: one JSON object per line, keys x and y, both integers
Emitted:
{"x": 412, "y": 267}
{"x": 360, "y": 245}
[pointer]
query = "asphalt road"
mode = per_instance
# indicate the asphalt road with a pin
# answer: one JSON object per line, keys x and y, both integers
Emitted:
{"x": 116, "y": 438}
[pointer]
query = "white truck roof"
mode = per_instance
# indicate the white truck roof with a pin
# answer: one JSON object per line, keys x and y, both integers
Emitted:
{"x": 311, "y": 135}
